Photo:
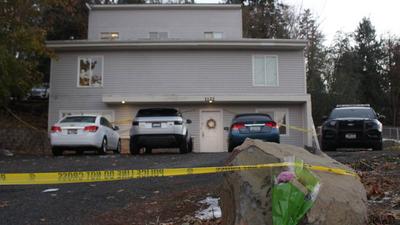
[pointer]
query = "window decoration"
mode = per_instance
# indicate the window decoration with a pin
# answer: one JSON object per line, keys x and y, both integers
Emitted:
{"x": 90, "y": 71}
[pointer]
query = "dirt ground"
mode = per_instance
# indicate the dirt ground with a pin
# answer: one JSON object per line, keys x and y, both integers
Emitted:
{"x": 380, "y": 174}
{"x": 173, "y": 208}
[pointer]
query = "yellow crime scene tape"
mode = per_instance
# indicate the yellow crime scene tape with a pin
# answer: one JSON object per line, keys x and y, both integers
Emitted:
{"x": 116, "y": 175}
{"x": 296, "y": 128}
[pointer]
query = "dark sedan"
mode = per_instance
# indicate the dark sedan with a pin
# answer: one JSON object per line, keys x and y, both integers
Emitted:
{"x": 255, "y": 126}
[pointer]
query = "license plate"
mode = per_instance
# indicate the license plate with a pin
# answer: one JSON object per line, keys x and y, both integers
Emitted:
{"x": 351, "y": 136}
{"x": 255, "y": 129}
{"x": 156, "y": 125}
{"x": 72, "y": 131}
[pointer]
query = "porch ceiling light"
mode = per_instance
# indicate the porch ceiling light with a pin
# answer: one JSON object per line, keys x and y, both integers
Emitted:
{"x": 209, "y": 99}
{"x": 123, "y": 102}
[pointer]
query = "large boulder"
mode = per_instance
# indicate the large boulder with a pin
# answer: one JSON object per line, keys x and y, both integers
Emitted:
{"x": 246, "y": 195}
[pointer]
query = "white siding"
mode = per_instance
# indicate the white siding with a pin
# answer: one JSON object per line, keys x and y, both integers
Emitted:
{"x": 185, "y": 73}
{"x": 133, "y": 24}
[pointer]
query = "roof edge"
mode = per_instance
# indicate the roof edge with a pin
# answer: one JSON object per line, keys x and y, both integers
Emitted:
{"x": 179, "y": 44}
{"x": 164, "y": 6}
{"x": 162, "y": 45}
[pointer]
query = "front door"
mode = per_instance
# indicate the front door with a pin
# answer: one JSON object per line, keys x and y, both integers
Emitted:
{"x": 211, "y": 131}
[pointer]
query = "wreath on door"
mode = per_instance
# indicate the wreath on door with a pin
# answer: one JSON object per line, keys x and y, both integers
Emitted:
{"x": 211, "y": 124}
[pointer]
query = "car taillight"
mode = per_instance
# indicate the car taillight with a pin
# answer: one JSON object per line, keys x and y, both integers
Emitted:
{"x": 135, "y": 123}
{"x": 178, "y": 122}
{"x": 271, "y": 124}
{"x": 237, "y": 126}
{"x": 90, "y": 128}
{"x": 55, "y": 129}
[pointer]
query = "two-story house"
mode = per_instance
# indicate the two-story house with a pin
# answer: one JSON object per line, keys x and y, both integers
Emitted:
{"x": 191, "y": 57}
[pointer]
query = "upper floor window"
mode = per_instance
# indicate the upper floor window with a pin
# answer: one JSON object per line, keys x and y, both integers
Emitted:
{"x": 158, "y": 35}
{"x": 265, "y": 70}
{"x": 90, "y": 71}
{"x": 213, "y": 35}
{"x": 109, "y": 35}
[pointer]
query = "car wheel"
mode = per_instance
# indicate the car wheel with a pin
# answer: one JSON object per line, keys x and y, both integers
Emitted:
{"x": 134, "y": 148}
{"x": 148, "y": 150}
{"x": 190, "y": 145}
{"x": 56, "y": 151}
{"x": 377, "y": 147}
{"x": 184, "y": 148}
{"x": 230, "y": 148}
{"x": 103, "y": 149}
{"x": 118, "y": 150}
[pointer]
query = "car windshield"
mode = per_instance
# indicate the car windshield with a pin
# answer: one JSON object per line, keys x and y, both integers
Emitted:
{"x": 352, "y": 113}
{"x": 79, "y": 119}
{"x": 157, "y": 112}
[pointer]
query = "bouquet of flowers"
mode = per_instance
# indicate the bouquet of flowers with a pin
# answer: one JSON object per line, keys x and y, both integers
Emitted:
{"x": 293, "y": 194}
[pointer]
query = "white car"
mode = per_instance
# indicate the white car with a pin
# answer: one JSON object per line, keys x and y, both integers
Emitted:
{"x": 84, "y": 132}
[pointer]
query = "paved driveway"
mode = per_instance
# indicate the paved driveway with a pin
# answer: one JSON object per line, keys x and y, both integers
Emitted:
{"x": 82, "y": 203}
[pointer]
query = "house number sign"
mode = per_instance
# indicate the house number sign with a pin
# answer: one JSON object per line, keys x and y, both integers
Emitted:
{"x": 211, "y": 124}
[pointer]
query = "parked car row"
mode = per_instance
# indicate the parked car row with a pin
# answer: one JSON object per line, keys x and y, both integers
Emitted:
{"x": 346, "y": 126}
{"x": 151, "y": 128}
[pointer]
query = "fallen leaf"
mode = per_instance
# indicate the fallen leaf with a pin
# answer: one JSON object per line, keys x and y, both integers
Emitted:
{"x": 3, "y": 204}
{"x": 50, "y": 190}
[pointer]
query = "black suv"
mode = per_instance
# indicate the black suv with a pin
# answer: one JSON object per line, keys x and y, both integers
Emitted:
{"x": 351, "y": 126}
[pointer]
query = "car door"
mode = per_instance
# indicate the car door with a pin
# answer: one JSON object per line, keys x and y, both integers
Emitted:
{"x": 106, "y": 129}
{"x": 111, "y": 135}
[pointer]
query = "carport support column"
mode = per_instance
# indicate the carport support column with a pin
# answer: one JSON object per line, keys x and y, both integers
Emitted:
{"x": 309, "y": 121}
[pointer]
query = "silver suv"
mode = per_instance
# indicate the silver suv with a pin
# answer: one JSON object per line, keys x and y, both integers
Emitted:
{"x": 159, "y": 128}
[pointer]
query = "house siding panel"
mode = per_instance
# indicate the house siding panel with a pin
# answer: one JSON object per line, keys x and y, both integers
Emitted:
{"x": 185, "y": 73}
{"x": 179, "y": 23}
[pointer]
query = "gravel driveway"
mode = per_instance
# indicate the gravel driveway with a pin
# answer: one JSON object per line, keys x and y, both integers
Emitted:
{"x": 83, "y": 203}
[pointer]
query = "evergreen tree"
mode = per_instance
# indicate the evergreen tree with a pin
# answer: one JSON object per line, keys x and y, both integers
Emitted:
{"x": 344, "y": 80}
{"x": 369, "y": 54}
{"x": 315, "y": 62}
{"x": 391, "y": 49}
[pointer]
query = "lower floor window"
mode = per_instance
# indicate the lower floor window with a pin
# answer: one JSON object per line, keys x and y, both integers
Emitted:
{"x": 109, "y": 114}
{"x": 280, "y": 116}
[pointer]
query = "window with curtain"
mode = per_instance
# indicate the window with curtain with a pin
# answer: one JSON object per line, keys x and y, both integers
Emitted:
{"x": 90, "y": 71}
{"x": 265, "y": 70}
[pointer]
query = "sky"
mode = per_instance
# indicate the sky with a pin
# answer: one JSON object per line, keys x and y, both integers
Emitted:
{"x": 345, "y": 15}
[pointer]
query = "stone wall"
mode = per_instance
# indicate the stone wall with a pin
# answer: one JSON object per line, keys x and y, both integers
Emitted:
{"x": 25, "y": 141}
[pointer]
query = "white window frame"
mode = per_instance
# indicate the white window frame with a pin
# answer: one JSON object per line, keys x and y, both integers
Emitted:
{"x": 159, "y": 35}
{"x": 213, "y": 35}
{"x": 88, "y": 112}
{"x": 274, "y": 110}
{"x": 78, "y": 71}
{"x": 104, "y": 35}
{"x": 265, "y": 75}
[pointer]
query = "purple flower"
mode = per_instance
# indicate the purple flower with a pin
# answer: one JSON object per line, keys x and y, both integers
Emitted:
{"x": 285, "y": 177}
